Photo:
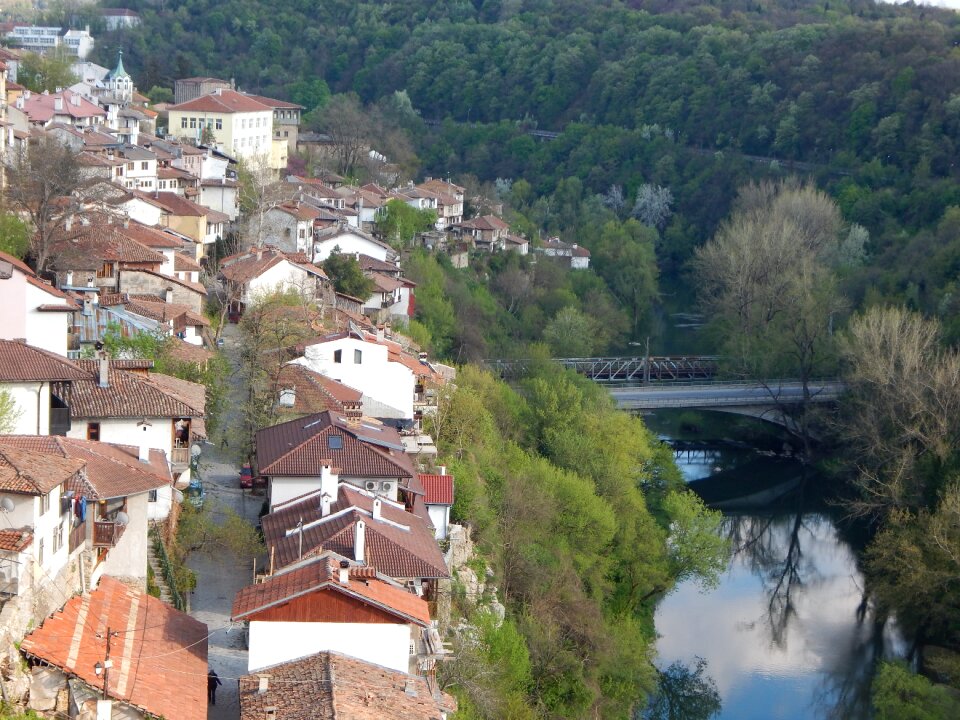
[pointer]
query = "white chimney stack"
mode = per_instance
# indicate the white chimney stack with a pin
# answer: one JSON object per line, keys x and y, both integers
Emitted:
{"x": 325, "y": 504}
{"x": 58, "y": 104}
{"x": 376, "y": 508}
{"x": 69, "y": 278}
{"x": 104, "y": 369}
{"x": 169, "y": 295}
{"x": 143, "y": 426}
{"x": 443, "y": 469}
{"x": 359, "y": 536}
{"x": 344, "y": 574}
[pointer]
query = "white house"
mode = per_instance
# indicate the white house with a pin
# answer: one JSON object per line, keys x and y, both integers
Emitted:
{"x": 350, "y": 241}
{"x": 141, "y": 170}
{"x": 355, "y": 359}
{"x": 325, "y": 604}
{"x": 31, "y": 309}
{"x": 262, "y": 271}
{"x": 438, "y": 498}
{"x": 578, "y": 257}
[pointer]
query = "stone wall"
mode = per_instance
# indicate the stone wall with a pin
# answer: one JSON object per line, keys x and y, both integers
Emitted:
{"x": 136, "y": 282}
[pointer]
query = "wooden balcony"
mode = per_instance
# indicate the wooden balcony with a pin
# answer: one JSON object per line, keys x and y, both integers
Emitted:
{"x": 180, "y": 456}
{"x": 78, "y": 536}
{"x": 106, "y": 533}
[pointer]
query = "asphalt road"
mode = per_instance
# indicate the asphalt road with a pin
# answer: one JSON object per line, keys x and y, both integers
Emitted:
{"x": 220, "y": 577}
{"x": 719, "y": 395}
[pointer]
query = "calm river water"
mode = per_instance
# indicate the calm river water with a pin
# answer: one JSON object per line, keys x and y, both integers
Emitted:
{"x": 787, "y": 634}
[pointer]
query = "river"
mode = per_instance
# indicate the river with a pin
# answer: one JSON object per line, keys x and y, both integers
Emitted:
{"x": 787, "y": 634}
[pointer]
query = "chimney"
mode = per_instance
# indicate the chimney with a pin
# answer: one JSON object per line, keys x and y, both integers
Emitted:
{"x": 443, "y": 469}
{"x": 380, "y": 334}
{"x": 359, "y": 532}
{"x": 58, "y": 104}
{"x": 376, "y": 508}
{"x": 325, "y": 504}
{"x": 68, "y": 223}
{"x": 87, "y": 304}
{"x": 169, "y": 295}
{"x": 104, "y": 369}
{"x": 69, "y": 278}
{"x": 90, "y": 281}
{"x": 264, "y": 684}
{"x": 144, "y": 454}
{"x": 344, "y": 575}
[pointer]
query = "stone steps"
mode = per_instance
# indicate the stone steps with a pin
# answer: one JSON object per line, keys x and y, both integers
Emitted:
{"x": 158, "y": 577}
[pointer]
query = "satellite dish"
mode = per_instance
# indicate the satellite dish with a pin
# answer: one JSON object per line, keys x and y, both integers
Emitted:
{"x": 122, "y": 518}
{"x": 6, "y": 504}
{"x": 195, "y": 450}
{"x": 177, "y": 496}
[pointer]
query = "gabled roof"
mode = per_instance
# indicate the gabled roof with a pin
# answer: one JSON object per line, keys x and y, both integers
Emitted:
{"x": 28, "y": 472}
{"x": 111, "y": 470}
{"x": 328, "y": 686}
{"x": 314, "y": 392}
{"x": 185, "y": 263}
{"x": 385, "y": 283}
{"x": 371, "y": 263}
{"x": 159, "y": 654}
{"x": 173, "y": 203}
{"x": 223, "y": 101}
{"x": 243, "y": 268}
{"x": 41, "y": 108}
{"x": 128, "y": 395}
{"x": 20, "y": 362}
{"x": 152, "y": 237}
{"x": 16, "y": 540}
{"x": 87, "y": 247}
{"x": 322, "y": 575}
{"x": 303, "y": 447}
{"x": 330, "y": 235}
{"x": 485, "y": 222}
{"x": 437, "y": 489}
{"x": 275, "y": 104}
{"x": 399, "y": 544}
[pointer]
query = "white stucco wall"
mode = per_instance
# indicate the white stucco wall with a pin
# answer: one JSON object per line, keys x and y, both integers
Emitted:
{"x": 283, "y": 489}
{"x": 128, "y": 559}
{"x": 26, "y": 513}
{"x": 19, "y": 317}
{"x": 380, "y": 643}
{"x": 125, "y": 431}
{"x": 281, "y": 277}
{"x": 349, "y": 244}
{"x": 390, "y": 383}
{"x": 25, "y": 397}
{"x": 440, "y": 519}
{"x": 143, "y": 212}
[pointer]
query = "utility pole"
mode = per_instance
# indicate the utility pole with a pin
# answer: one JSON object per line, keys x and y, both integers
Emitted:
{"x": 106, "y": 665}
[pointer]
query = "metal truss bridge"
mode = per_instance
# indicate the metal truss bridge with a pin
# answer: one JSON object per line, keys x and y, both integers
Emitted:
{"x": 627, "y": 370}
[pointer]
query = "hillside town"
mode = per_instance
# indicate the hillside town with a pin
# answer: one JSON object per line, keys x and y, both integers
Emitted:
{"x": 182, "y": 227}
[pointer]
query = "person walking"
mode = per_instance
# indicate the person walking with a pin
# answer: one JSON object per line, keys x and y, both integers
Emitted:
{"x": 212, "y": 682}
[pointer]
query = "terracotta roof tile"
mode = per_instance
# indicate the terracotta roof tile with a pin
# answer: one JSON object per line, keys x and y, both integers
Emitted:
{"x": 160, "y": 667}
{"x": 321, "y": 576}
{"x": 301, "y": 447}
{"x": 329, "y": 685}
{"x": 400, "y": 545}
{"x": 16, "y": 540}
{"x": 111, "y": 470}
{"x": 20, "y": 362}
{"x": 315, "y": 393}
{"x": 223, "y": 101}
{"x": 87, "y": 247}
{"x": 182, "y": 351}
{"x": 185, "y": 263}
{"x": 28, "y": 472}
{"x": 150, "y": 236}
{"x": 438, "y": 489}
{"x": 128, "y": 395}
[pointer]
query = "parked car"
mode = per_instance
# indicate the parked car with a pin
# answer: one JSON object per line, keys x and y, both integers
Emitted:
{"x": 195, "y": 493}
{"x": 246, "y": 476}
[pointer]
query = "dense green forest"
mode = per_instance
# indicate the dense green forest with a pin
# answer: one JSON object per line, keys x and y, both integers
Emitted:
{"x": 695, "y": 97}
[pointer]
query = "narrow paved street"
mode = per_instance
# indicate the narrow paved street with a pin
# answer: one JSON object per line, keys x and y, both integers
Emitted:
{"x": 220, "y": 577}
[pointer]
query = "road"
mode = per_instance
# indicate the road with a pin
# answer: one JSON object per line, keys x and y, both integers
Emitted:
{"x": 219, "y": 578}
{"x": 709, "y": 395}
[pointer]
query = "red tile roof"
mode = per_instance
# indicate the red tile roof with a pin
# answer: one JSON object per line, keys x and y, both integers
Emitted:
{"x": 173, "y": 203}
{"x": 400, "y": 544}
{"x": 321, "y": 576}
{"x": 315, "y": 393}
{"x": 301, "y": 448}
{"x": 223, "y": 101}
{"x": 437, "y": 489}
{"x": 16, "y": 540}
{"x": 242, "y": 268}
{"x": 87, "y": 247}
{"x": 111, "y": 470}
{"x": 41, "y": 108}
{"x": 371, "y": 263}
{"x": 27, "y": 472}
{"x": 20, "y": 362}
{"x": 159, "y": 654}
{"x": 128, "y": 395}
{"x": 328, "y": 685}
{"x": 150, "y": 236}
{"x": 185, "y": 263}
{"x": 276, "y": 104}
{"x": 182, "y": 351}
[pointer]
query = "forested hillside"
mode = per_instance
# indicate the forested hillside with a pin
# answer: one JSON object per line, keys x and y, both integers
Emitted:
{"x": 697, "y": 98}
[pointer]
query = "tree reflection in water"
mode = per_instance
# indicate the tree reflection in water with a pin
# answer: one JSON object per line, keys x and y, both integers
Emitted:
{"x": 683, "y": 693}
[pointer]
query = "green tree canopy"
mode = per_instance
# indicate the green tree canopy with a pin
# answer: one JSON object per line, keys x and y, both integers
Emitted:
{"x": 347, "y": 276}
{"x": 399, "y": 223}
{"x": 46, "y": 73}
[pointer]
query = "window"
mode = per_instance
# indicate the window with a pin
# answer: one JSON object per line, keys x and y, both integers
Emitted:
{"x": 45, "y": 504}
{"x": 219, "y": 123}
{"x": 93, "y": 431}
{"x": 106, "y": 271}
{"x": 130, "y": 166}
{"x": 338, "y": 356}
{"x": 152, "y": 497}
{"x": 145, "y": 165}
{"x": 57, "y": 538}
{"x": 183, "y": 122}
{"x": 243, "y": 124}
{"x": 335, "y": 442}
{"x": 193, "y": 122}
{"x": 357, "y": 357}
{"x": 286, "y": 133}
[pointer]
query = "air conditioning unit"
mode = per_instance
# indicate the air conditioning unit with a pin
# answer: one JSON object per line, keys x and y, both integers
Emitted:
{"x": 371, "y": 485}
{"x": 387, "y": 487}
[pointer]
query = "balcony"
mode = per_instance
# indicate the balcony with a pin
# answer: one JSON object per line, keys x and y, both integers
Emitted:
{"x": 106, "y": 533}
{"x": 59, "y": 421}
{"x": 180, "y": 456}
{"x": 78, "y": 536}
